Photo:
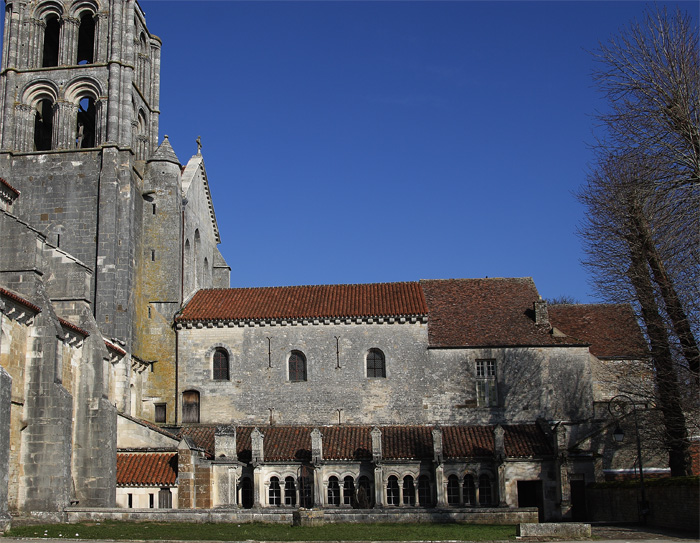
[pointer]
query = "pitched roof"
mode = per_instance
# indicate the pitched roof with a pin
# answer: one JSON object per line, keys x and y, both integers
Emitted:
{"x": 146, "y": 469}
{"x": 14, "y": 297}
{"x": 293, "y": 443}
{"x": 306, "y": 302}
{"x": 611, "y": 329}
{"x": 486, "y": 312}
{"x": 164, "y": 153}
{"x": 9, "y": 187}
{"x": 73, "y": 327}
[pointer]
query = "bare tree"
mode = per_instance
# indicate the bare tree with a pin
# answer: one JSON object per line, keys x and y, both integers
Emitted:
{"x": 564, "y": 299}
{"x": 642, "y": 228}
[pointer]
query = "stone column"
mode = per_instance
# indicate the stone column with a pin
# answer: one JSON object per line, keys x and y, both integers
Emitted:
{"x": 378, "y": 487}
{"x": 5, "y": 395}
{"x": 440, "y": 485}
{"x": 68, "y": 54}
{"x": 257, "y": 482}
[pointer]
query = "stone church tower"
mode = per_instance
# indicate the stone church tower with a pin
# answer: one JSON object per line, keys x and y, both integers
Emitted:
{"x": 103, "y": 236}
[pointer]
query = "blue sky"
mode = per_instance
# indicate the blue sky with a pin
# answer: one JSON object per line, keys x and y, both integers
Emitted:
{"x": 354, "y": 142}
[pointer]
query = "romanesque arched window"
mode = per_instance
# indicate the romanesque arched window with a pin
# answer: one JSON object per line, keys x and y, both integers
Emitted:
{"x": 348, "y": 491}
{"x": 290, "y": 492}
{"x": 409, "y": 491}
{"x": 297, "y": 366}
{"x": 86, "y": 38}
{"x": 333, "y": 491}
{"x": 43, "y": 125}
{"x": 275, "y": 492}
{"x": 190, "y": 406}
{"x": 86, "y": 127}
{"x": 376, "y": 363}
{"x": 221, "y": 365}
{"x": 392, "y": 490}
{"x": 453, "y": 490}
{"x": 52, "y": 35}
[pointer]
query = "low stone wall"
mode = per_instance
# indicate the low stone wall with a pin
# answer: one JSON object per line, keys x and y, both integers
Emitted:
{"x": 670, "y": 505}
{"x": 285, "y": 516}
{"x": 555, "y": 530}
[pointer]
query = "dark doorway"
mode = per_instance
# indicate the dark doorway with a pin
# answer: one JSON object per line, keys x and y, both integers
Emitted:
{"x": 530, "y": 495}
{"x": 578, "y": 501}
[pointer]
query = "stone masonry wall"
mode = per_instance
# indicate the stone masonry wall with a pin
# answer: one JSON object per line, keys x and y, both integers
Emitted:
{"x": 336, "y": 374}
{"x": 422, "y": 386}
{"x": 5, "y": 394}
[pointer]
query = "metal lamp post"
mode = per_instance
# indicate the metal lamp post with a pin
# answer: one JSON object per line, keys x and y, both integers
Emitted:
{"x": 616, "y": 407}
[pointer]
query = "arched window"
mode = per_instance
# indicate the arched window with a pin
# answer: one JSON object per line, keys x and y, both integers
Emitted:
{"x": 468, "y": 490}
{"x": 333, "y": 491}
{"x": 452, "y": 490}
{"x": 197, "y": 251}
{"x": 485, "y": 494}
{"x": 364, "y": 493}
{"x": 246, "y": 493}
{"x": 392, "y": 491}
{"x": 43, "y": 125}
{"x": 190, "y": 406}
{"x": 424, "y": 493}
{"x": 348, "y": 491}
{"x": 275, "y": 492}
{"x": 376, "y": 365}
{"x": 221, "y": 365}
{"x": 86, "y": 39}
{"x": 207, "y": 273}
{"x": 52, "y": 33}
{"x": 86, "y": 125}
{"x": 409, "y": 491}
{"x": 297, "y": 366}
{"x": 290, "y": 492}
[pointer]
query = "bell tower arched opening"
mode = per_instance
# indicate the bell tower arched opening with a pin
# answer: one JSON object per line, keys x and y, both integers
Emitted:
{"x": 86, "y": 124}
{"x": 43, "y": 125}
{"x": 86, "y": 39}
{"x": 52, "y": 34}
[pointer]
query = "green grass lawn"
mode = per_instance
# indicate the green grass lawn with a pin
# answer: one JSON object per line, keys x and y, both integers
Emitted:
{"x": 266, "y": 532}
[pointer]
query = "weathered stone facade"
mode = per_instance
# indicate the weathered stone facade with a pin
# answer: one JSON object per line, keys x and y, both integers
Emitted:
{"x": 122, "y": 346}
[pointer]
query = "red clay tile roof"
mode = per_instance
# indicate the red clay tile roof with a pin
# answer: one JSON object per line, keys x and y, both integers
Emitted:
{"x": 526, "y": 440}
{"x": 10, "y": 187}
{"x": 467, "y": 441}
{"x": 407, "y": 442}
{"x": 20, "y": 300}
{"x": 485, "y": 313}
{"x": 116, "y": 348}
{"x": 611, "y": 329}
{"x": 306, "y": 302}
{"x": 347, "y": 442}
{"x": 73, "y": 327}
{"x": 146, "y": 469}
{"x": 293, "y": 443}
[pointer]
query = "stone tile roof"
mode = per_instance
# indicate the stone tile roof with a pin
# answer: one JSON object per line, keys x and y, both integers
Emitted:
{"x": 146, "y": 469}
{"x": 293, "y": 443}
{"x": 116, "y": 348}
{"x": 306, "y": 302}
{"x": 611, "y": 329}
{"x": 486, "y": 313}
{"x": 14, "y": 297}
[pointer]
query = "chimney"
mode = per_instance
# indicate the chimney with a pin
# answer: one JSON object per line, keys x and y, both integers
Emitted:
{"x": 376, "y": 445}
{"x": 258, "y": 453}
{"x": 316, "y": 446}
{"x": 541, "y": 313}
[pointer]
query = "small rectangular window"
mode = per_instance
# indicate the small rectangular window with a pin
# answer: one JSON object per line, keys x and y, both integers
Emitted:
{"x": 151, "y": 501}
{"x": 160, "y": 412}
{"x": 153, "y": 255}
{"x": 486, "y": 383}
{"x": 130, "y": 501}
{"x": 154, "y": 208}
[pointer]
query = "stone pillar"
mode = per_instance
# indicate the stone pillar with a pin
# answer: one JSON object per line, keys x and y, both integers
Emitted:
{"x": 440, "y": 485}
{"x": 316, "y": 446}
{"x": 500, "y": 453}
{"x": 5, "y": 395}
{"x": 68, "y": 54}
{"x": 378, "y": 486}
{"x": 257, "y": 486}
